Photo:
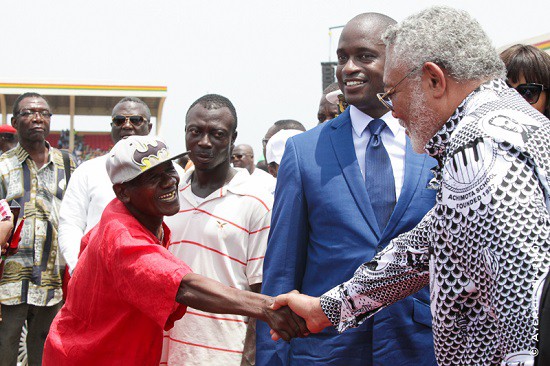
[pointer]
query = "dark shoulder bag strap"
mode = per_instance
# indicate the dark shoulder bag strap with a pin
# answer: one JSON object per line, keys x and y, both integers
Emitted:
{"x": 66, "y": 166}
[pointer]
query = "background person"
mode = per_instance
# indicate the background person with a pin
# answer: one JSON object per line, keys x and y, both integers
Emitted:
{"x": 90, "y": 188}
{"x": 33, "y": 174}
{"x": 283, "y": 124}
{"x": 276, "y": 148}
{"x": 242, "y": 156}
{"x": 8, "y": 138}
{"x": 528, "y": 71}
{"x": 327, "y": 110}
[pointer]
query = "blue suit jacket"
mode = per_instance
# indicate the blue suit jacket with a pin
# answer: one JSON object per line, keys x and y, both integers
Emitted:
{"x": 323, "y": 228}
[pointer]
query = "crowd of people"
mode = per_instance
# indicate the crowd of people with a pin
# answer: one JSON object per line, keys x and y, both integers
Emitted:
{"x": 410, "y": 227}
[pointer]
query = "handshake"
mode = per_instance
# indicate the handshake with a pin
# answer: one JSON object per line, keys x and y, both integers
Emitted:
{"x": 294, "y": 315}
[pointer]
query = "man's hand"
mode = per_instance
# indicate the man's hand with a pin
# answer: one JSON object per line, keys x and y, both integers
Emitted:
{"x": 285, "y": 322}
{"x": 306, "y": 307}
{"x": 206, "y": 294}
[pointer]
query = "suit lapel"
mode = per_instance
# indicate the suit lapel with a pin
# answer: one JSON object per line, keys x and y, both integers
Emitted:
{"x": 413, "y": 171}
{"x": 342, "y": 144}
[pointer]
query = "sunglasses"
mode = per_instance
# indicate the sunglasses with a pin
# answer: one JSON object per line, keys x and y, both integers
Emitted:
{"x": 530, "y": 92}
{"x": 135, "y": 120}
{"x": 239, "y": 156}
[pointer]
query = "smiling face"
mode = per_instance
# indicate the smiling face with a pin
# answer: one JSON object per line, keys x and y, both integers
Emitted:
{"x": 361, "y": 56}
{"x": 209, "y": 136}
{"x": 153, "y": 194}
{"x": 33, "y": 127}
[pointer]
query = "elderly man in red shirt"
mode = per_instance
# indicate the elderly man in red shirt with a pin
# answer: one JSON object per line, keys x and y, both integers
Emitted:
{"x": 128, "y": 287}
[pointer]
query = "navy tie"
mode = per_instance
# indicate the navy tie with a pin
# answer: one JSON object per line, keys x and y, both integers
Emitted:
{"x": 379, "y": 175}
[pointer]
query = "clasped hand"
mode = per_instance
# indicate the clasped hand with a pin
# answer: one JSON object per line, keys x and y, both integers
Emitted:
{"x": 303, "y": 307}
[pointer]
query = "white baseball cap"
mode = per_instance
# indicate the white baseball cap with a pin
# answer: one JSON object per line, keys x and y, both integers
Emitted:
{"x": 134, "y": 155}
{"x": 276, "y": 145}
{"x": 332, "y": 97}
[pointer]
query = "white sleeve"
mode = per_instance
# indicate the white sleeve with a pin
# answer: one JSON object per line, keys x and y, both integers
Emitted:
{"x": 73, "y": 216}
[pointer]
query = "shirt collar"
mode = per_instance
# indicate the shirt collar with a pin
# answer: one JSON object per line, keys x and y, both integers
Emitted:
{"x": 437, "y": 144}
{"x": 22, "y": 154}
{"x": 234, "y": 185}
{"x": 360, "y": 121}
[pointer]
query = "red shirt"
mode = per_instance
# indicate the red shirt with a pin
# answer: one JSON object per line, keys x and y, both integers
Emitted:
{"x": 121, "y": 296}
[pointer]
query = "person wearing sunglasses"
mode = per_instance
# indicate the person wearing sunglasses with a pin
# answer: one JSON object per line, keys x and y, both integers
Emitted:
{"x": 90, "y": 190}
{"x": 528, "y": 71}
{"x": 243, "y": 157}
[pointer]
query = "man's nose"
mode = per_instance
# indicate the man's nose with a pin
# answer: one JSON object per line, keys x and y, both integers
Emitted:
{"x": 169, "y": 179}
{"x": 205, "y": 140}
{"x": 350, "y": 67}
{"x": 37, "y": 117}
{"x": 127, "y": 124}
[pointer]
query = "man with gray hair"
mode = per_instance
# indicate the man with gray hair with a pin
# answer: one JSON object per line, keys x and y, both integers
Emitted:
{"x": 485, "y": 246}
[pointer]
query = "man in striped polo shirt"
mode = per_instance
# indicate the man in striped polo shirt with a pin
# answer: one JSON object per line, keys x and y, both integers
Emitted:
{"x": 221, "y": 232}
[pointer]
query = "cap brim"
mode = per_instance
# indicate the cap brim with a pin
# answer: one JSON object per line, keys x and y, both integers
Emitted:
{"x": 179, "y": 155}
{"x": 332, "y": 97}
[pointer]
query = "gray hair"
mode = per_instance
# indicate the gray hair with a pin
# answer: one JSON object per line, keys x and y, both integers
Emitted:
{"x": 448, "y": 37}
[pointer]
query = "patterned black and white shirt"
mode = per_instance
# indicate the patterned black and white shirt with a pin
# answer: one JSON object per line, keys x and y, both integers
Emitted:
{"x": 485, "y": 246}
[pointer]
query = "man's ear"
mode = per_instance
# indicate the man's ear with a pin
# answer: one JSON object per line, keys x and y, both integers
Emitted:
{"x": 435, "y": 78}
{"x": 14, "y": 122}
{"x": 150, "y": 126}
{"x": 120, "y": 192}
{"x": 233, "y": 139}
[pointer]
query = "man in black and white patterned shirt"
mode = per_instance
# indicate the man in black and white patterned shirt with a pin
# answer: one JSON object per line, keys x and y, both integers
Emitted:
{"x": 485, "y": 246}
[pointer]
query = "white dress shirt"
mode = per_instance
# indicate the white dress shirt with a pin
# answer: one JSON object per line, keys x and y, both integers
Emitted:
{"x": 88, "y": 192}
{"x": 393, "y": 138}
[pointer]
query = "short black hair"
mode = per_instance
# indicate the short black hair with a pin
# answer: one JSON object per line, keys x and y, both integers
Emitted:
{"x": 23, "y": 96}
{"x": 289, "y": 124}
{"x": 138, "y": 101}
{"x": 215, "y": 101}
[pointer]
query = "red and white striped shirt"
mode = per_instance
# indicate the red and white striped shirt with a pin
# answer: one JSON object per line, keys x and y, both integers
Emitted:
{"x": 223, "y": 237}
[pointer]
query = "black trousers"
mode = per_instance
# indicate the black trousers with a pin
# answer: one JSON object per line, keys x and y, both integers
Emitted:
{"x": 39, "y": 319}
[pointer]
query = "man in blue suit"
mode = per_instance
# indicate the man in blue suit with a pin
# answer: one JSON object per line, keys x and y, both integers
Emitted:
{"x": 335, "y": 207}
